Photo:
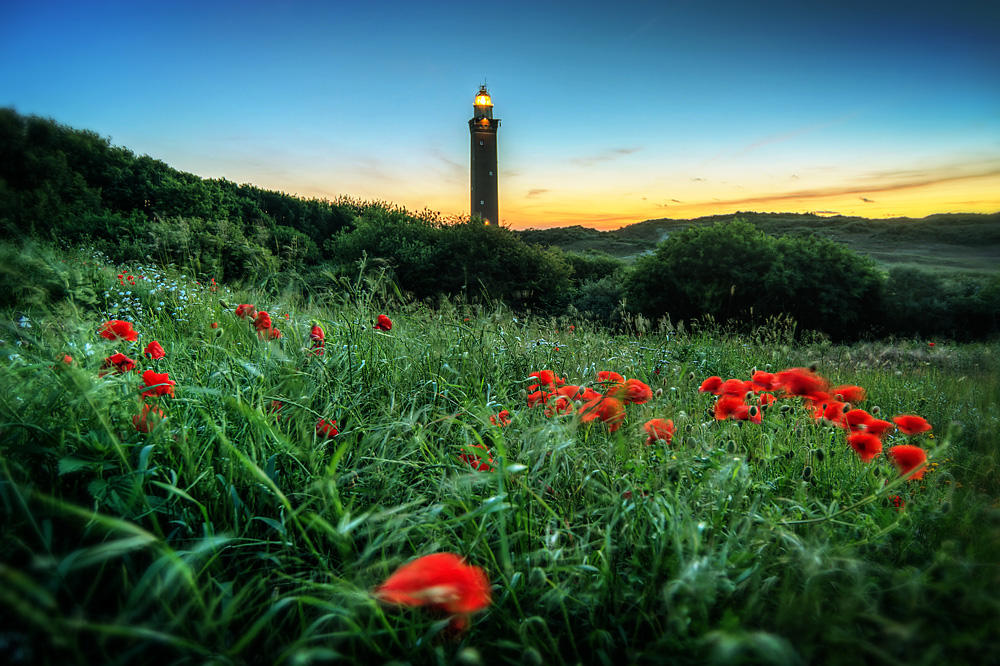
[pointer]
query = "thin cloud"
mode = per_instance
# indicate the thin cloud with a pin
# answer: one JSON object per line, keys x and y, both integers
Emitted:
{"x": 605, "y": 156}
{"x": 534, "y": 193}
{"x": 890, "y": 181}
{"x": 793, "y": 134}
{"x": 867, "y": 200}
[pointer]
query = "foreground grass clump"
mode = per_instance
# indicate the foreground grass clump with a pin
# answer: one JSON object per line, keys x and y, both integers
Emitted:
{"x": 260, "y": 508}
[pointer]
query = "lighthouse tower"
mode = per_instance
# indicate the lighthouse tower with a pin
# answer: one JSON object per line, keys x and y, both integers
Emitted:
{"x": 483, "y": 128}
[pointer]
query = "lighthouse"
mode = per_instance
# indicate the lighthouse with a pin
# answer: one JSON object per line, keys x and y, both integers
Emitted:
{"x": 483, "y": 169}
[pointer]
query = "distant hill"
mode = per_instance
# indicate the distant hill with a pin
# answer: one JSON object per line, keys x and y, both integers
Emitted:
{"x": 960, "y": 241}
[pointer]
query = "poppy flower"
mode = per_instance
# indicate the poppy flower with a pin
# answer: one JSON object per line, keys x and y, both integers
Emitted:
{"x": 120, "y": 362}
{"x": 726, "y": 406}
{"x": 275, "y": 408}
{"x": 911, "y": 424}
{"x": 148, "y": 419}
{"x": 67, "y": 359}
{"x": 215, "y": 324}
{"x": 878, "y": 427}
{"x": 536, "y": 398}
{"x": 546, "y": 378}
{"x": 154, "y": 351}
{"x": 711, "y": 385}
{"x": 764, "y": 381}
{"x": 270, "y": 333}
{"x": 118, "y": 330}
{"x": 766, "y": 400}
{"x": 659, "y": 429}
{"x": 857, "y": 419}
{"x": 802, "y": 382}
{"x": 735, "y": 387}
{"x": 609, "y": 410}
{"x": 633, "y": 391}
{"x": 501, "y": 419}
{"x": 479, "y": 462}
{"x": 747, "y": 413}
{"x": 157, "y": 383}
{"x": 383, "y": 323}
{"x": 573, "y": 392}
{"x": 557, "y": 404}
{"x": 848, "y": 393}
{"x": 866, "y": 445}
{"x": 262, "y": 321}
{"x": 608, "y": 377}
{"x": 246, "y": 310}
{"x": 442, "y": 581}
{"x": 908, "y": 457}
{"x": 326, "y": 428}
{"x": 897, "y": 502}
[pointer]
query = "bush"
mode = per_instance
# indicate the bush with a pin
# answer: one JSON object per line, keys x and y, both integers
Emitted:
{"x": 734, "y": 272}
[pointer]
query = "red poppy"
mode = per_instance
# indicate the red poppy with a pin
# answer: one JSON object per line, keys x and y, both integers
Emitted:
{"x": 479, "y": 462}
{"x": 573, "y": 392}
{"x": 747, "y": 413}
{"x": 501, "y": 419}
{"x": 764, "y": 381}
{"x": 608, "y": 377}
{"x": 326, "y": 428}
{"x": 157, "y": 383}
{"x": 441, "y": 581}
{"x": 897, "y": 502}
{"x": 246, "y": 310}
{"x": 848, "y": 393}
{"x": 67, "y": 359}
{"x": 262, "y": 321}
{"x": 275, "y": 408}
{"x": 908, "y": 457}
{"x": 659, "y": 429}
{"x": 118, "y": 330}
{"x": 316, "y": 335}
{"x": 546, "y": 378}
{"x": 536, "y": 398}
{"x": 766, "y": 400}
{"x": 711, "y": 385}
{"x": 148, "y": 419}
{"x": 215, "y": 324}
{"x": 930, "y": 344}
{"x": 910, "y": 424}
{"x": 735, "y": 387}
{"x": 120, "y": 362}
{"x": 609, "y": 410}
{"x": 383, "y": 323}
{"x": 802, "y": 381}
{"x": 857, "y": 419}
{"x": 557, "y": 404}
{"x": 878, "y": 427}
{"x": 270, "y": 333}
{"x": 632, "y": 391}
{"x": 866, "y": 445}
{"x": 154, "y": 351}
{"x": 727, "y": 406}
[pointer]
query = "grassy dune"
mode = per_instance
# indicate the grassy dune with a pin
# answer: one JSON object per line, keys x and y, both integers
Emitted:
{"x": 959, "y": 242}
{"x": 236, "y": 532}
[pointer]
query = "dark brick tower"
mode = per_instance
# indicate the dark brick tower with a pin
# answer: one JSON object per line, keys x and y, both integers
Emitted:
{"x": 483, "y": 128}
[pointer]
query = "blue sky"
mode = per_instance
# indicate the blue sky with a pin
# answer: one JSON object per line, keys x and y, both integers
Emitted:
{"x": 611, "y": 113}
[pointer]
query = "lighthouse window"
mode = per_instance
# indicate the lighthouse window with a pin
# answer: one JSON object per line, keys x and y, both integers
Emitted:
{"x": 482, "y": 203}
{"x": 491, "y": 173}
{"x": 480, "y": 143}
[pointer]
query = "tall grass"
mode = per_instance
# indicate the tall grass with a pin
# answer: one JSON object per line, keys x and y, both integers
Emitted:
{"x": 235, "y": 533}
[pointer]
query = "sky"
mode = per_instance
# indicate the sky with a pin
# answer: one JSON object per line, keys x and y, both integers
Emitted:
{"x": 611, "y": 112}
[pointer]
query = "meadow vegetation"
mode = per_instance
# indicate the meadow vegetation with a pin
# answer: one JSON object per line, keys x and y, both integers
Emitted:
{"x": 263, "y": 518}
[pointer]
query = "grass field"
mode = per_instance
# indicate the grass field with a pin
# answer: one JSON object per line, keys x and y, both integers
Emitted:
{"x": 946, "y": 243}
{"x": 241, "y": 529}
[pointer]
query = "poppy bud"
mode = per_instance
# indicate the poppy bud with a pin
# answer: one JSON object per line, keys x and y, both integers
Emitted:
{"x": 946, "y": 507}
{"x": 690, "y": 376}
{"x": 219, "y": 331}
{"x": 818, "y": 454}
{"x": 807, "y": 473}
{"x": 814, "y": 366}
{"x": 659, "y": 393}
{"x": 877, "y": 472}
{"x": 875, "y": 410}
{"x": 753, "y": 411}
{"x": 790, "y": 454}
{"x": 785, "y": 409}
